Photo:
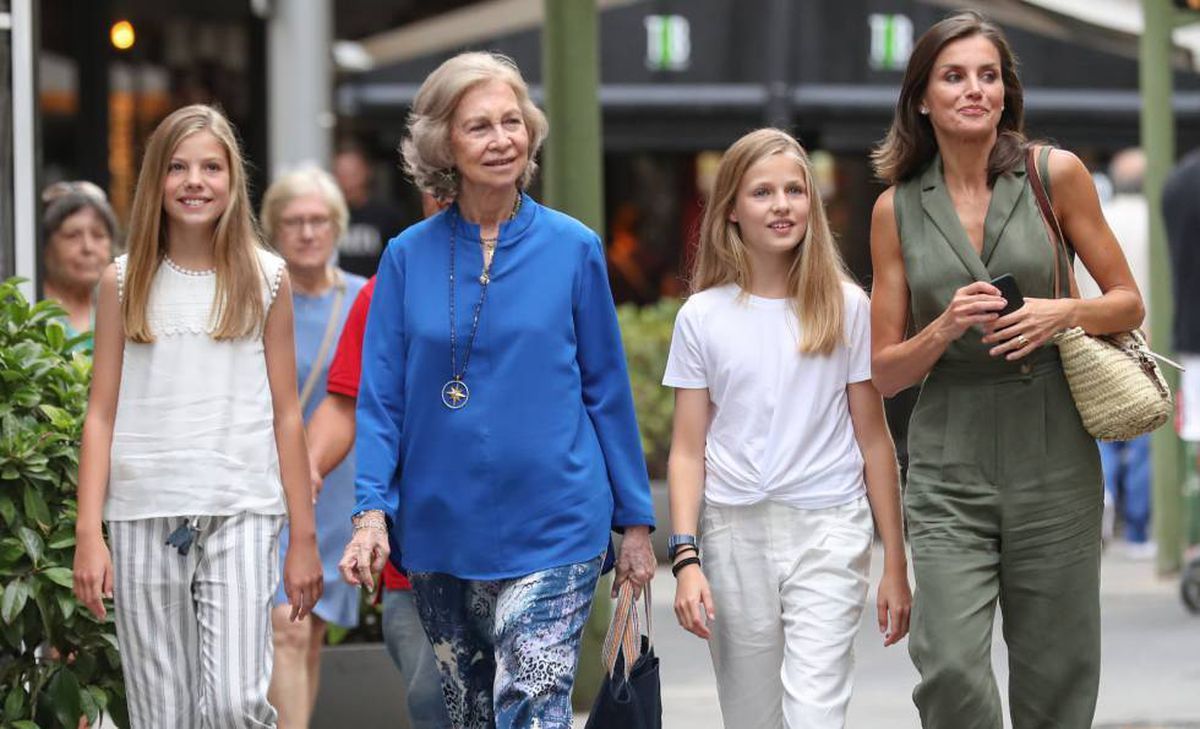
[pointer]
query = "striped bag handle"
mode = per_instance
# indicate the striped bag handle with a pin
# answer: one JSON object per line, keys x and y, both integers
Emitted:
{"x": 624, "y": 633}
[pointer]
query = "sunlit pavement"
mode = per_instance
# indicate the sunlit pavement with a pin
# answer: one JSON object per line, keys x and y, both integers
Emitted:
{"x": 1150, "y": 677}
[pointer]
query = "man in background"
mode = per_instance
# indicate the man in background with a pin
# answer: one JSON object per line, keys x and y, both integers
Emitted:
{"x": 1181, "y": 212}
{"x": 373, "y": 220}
{"x": 1127, "y": 463}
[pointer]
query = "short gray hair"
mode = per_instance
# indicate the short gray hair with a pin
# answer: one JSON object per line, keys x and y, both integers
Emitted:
{"x": 65, "y": 204}
{"x": 309, "y": 180}
{"x": 426, "y": 155}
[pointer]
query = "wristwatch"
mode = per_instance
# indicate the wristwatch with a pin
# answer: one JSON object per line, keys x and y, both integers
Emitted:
{"x": 678, "y": 540}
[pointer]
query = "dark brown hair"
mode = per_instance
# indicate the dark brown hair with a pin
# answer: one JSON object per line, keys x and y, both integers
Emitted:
{"x": 910, "y": 143}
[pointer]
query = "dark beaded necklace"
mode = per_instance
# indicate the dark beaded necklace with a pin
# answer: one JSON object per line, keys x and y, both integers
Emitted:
{"x": 455, "y": 392}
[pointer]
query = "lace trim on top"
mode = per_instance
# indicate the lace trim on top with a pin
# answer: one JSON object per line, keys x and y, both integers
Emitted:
{"x": 120, "y": 278}
{"x": 187, "y": 271}
{"x": 275, "y": 280}
{"x": 184, "y": 306}
{"x": 164, "y": 327}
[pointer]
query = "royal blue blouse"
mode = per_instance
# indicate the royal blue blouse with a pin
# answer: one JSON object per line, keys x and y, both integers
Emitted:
{"x": 545, "y": 457}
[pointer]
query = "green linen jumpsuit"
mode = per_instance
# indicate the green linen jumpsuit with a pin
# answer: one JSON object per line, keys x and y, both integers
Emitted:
{"x": 1005, "y": 493}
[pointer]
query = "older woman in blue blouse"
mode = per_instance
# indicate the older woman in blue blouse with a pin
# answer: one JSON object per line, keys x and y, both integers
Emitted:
{"x": 497, "y": 443}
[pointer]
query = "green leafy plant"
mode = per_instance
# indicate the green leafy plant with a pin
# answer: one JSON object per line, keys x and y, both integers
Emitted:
{"x": 58, "y": 661}
{"x": 646, "y": 335}
{"x": 370, "y": 623}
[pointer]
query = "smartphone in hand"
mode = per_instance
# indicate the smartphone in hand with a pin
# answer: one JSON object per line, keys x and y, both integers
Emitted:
{"x": 1010, "y": 291}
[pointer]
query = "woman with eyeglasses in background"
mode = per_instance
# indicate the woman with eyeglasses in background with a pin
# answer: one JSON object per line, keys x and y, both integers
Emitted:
{"x": 303, "y": 215}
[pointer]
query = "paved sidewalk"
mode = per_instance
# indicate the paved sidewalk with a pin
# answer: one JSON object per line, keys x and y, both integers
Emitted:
{"x": 1150, "y": 677}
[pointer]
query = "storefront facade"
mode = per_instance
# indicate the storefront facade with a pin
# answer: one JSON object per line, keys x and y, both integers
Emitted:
{"x": 681, "y": 79}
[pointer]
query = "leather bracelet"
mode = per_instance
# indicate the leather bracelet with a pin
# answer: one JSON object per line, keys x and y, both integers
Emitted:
{"x": 675, "y": 568}
{"x": 687, "y": 548}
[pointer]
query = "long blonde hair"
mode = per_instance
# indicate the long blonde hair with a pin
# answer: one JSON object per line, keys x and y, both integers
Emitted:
{"x": 816, "y": 273}
{"x": 238, "y": 307}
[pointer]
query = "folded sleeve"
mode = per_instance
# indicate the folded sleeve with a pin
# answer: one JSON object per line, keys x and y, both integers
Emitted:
{"x": 685, "y": 360}
{"x": 607, "y": 394}
{"x": 858, "y": 335}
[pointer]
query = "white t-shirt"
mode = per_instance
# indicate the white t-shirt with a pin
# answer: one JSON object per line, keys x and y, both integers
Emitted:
{"x": 780, "y": 424}
{"x": 194, "y": 428}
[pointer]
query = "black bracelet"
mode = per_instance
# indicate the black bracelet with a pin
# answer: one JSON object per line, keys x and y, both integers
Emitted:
{"x": 684, "y": 548}
{"x": 684, "y": 563}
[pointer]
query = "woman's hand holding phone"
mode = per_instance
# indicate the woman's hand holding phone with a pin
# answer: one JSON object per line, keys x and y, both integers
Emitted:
{"x": 1024, "y": 325}
{"x": 976, "y": 304}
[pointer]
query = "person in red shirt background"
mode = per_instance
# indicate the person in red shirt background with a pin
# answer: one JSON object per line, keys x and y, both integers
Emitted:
{"x": 330, "y": 438}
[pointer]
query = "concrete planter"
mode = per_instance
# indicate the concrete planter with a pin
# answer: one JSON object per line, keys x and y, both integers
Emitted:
{"x": 662, "y": 519}
{"x": 360, "y": 686}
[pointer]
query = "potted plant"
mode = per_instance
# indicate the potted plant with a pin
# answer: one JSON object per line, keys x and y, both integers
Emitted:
{"x": 58, "y": 662}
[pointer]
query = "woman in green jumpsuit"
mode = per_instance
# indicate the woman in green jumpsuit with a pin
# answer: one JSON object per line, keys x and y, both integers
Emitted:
{"x": 1004, "y": 494}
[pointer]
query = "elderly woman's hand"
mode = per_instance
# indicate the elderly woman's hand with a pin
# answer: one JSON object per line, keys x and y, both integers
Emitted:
{"x": 635, "y": 561}
{"x": 367, "y": 552}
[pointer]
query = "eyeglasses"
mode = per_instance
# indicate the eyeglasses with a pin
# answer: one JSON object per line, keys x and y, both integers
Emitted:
{"x": 318, "y": 223}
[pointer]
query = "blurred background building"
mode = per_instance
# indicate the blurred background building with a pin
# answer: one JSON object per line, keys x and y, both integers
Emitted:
{"x": 680, "y": 79}
{"x": 84, "y": 82}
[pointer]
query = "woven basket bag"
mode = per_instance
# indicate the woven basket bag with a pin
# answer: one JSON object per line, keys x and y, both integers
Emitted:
{"x": 1117, "y": 385}
{"x": 1114, "y": 379}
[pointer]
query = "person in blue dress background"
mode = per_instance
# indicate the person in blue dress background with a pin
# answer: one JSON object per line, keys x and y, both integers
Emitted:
{"x": 303, "y": 215}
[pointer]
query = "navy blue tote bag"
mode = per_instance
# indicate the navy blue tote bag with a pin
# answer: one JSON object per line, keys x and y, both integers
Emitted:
{"x": 630, "y": 696}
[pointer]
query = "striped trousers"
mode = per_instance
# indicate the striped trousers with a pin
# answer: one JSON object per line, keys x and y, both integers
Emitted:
{"x": 195, "y": 630}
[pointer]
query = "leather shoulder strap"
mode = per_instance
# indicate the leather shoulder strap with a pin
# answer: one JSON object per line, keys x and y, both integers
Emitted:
{"x": 1058, "y": 241}
{"x": 331, "y": 327}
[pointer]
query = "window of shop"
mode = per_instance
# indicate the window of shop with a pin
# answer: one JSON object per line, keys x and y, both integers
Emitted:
{"x": 6, "y": 119}
{"x": 18, "y": 141}
{"x": 100, "y": 96}
{"x": 654, "y": 202}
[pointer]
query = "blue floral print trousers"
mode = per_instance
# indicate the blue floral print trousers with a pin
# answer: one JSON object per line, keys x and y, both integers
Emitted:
{"x": 507, "y": 649}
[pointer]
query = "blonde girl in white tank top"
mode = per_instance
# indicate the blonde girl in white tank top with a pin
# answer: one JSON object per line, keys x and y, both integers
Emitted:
{"x": 193, "y": 444}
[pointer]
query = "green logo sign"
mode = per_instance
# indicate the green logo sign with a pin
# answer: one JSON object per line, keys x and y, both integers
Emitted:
{"x": 891, "y": 41}
{"x": 668, "y": 43}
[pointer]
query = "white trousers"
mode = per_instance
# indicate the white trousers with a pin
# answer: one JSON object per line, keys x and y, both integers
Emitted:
{"x": 195, "y": 631}
{"x": 788, "y": 588}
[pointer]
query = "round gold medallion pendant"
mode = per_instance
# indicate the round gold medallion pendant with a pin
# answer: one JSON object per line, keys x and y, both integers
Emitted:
{"x": 455, "y": 394}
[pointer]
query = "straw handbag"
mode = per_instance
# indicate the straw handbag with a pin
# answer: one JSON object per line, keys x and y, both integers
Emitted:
{"x": 1116, "y": 383}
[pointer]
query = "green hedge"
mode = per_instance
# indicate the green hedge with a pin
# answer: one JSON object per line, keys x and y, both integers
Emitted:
{"x": 58, "y": 661}
{"x": 646, "y": 333}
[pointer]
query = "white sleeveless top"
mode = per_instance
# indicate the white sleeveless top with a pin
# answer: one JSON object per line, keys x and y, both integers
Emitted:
{"x": 194, "y": 431}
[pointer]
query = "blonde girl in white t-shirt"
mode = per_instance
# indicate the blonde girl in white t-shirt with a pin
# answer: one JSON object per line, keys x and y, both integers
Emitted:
{"x": 779, "y": 431}
{"x": 193, "y": 441}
